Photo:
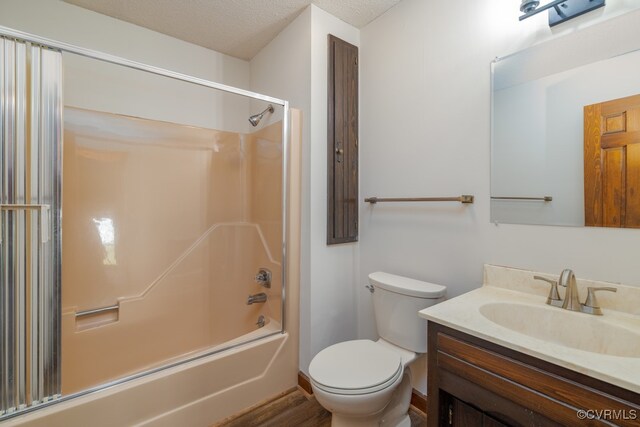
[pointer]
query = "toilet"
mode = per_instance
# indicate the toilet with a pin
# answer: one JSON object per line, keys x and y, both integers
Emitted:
{"x": 367, "y": 383}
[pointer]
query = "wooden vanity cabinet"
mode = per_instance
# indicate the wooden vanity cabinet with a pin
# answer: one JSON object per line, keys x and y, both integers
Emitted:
{"x": 472, "y": 382}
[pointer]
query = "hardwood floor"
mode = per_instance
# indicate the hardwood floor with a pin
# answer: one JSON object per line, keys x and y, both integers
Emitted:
{"x": 294, "y": 409}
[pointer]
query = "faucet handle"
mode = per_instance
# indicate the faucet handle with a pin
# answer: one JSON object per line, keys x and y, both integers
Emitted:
{"x": 554, "y": 296}
{"x": 263, "y": 278}
{"x": 591, "y": 305}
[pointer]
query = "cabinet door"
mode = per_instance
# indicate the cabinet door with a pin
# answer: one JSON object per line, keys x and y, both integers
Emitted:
{"x": 342, "y": 143}
{"x": 487, "y": 421}
{"x": 463, "y": 415}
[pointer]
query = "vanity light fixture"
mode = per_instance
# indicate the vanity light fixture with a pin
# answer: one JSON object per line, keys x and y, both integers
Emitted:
{"x": 559, "y": 10}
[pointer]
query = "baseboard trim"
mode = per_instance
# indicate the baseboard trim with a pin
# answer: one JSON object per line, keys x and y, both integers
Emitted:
{"x": 418, "y": 400}
{"x": 304, "y": 383}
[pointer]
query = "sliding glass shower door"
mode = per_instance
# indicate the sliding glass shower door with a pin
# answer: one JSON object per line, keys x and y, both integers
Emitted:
{"x": 30, "y": 185}
{"x": 174, "y": 196}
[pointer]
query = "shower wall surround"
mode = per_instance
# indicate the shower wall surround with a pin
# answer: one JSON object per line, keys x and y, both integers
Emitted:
{"x": 166, "y": 224}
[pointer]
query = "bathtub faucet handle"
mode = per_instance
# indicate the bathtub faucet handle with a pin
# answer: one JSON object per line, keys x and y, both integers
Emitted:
{"x": 264, "y": 278}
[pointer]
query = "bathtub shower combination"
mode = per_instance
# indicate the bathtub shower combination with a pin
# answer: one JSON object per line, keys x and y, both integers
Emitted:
{"x": 142, "y": 220}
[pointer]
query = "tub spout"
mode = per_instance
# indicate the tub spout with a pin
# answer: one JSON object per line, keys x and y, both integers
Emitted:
{"x": 261, "y": 297}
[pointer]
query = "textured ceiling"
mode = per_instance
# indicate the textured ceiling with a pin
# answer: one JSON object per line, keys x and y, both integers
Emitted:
{"x": 236, "y": 27}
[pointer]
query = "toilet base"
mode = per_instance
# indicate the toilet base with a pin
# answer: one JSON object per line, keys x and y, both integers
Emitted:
{"x": 338, "y": 421}
{"x": 342, "y": 421}
{"x": 395, "y": 414}
{"x": 405, "y": 422}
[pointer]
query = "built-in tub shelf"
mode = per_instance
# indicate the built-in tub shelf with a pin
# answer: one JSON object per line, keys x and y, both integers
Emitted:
{"x": 93, "y": 311}
{"x": 92, "y": 318}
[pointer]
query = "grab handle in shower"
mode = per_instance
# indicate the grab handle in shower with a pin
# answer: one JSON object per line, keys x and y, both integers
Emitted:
{"x": 97, "y": 310}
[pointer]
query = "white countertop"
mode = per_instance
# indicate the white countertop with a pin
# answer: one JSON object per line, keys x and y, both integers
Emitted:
{"x": 510, "y": 286}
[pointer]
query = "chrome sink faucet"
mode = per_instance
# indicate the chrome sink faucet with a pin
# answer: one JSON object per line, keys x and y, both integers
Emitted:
{"x": 571, "y": 297}
{"x": 591, "y": 305}
{"x": 554, "y": 297}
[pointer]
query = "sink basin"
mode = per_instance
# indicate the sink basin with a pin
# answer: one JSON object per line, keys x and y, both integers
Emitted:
{"x": 575, "y": 330}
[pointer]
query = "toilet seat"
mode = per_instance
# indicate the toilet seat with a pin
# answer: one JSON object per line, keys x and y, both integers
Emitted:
{"x": 355, "y": 367}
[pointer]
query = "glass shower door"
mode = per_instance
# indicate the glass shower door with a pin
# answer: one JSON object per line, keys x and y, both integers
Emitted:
{"x": 173, "y": 204}
{"x": 30, "y": 155}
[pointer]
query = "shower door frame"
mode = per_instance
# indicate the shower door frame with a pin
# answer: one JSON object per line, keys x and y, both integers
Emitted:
{"x": 116, "y": 60}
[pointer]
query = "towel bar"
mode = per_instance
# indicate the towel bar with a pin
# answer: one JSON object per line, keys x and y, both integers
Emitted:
{"x": 466, "y": 199}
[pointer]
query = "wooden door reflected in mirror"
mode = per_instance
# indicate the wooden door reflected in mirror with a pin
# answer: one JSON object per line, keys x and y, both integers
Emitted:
{"x": 612, "y": 163}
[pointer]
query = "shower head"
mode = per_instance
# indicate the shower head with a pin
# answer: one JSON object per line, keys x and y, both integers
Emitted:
{"x": 529, "y": 5}
{"x": 255, "y": 119}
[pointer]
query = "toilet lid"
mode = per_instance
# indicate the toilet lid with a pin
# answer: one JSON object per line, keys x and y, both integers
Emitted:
{"x": 355, "y": 365}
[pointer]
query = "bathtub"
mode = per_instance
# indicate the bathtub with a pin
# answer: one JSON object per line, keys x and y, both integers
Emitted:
{"x": 204, "y": 385}
{"x": 197, "y": 392}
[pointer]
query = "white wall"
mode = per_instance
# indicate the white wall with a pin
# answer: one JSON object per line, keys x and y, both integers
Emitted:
{"x": 283, "y": 69}
{"x": 294, "y": 67}
{"x": 425, "y": 85}
{"x": 334, "y": 268}
{"x": 100, "y": 86}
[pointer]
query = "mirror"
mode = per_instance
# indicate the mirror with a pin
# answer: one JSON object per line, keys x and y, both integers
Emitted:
{"x": 565, "y": 144}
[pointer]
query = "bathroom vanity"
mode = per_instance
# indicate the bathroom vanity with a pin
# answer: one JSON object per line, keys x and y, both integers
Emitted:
{"x": 473, "y": 382}
{"x": 500, "y": 356}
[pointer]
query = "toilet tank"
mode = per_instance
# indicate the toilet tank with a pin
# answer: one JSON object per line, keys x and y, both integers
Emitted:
{"x": 396, "y": 302}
